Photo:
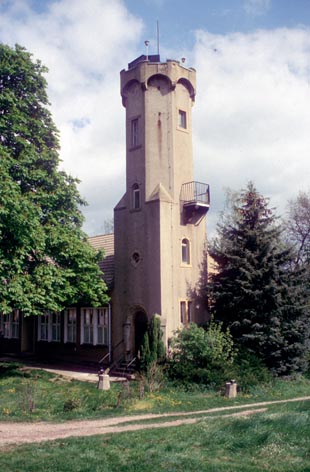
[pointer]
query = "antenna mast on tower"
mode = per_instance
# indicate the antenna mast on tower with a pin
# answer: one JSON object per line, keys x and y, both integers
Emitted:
{"x": 157, "y": 37}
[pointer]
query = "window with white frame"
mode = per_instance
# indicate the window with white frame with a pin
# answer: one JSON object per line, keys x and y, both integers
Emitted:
{"x": 70, "y": 325}
{"x": 9, "y": 324}
{"x": 87, "y": 334}
{"x": 43, "y": 327}
{"x": 186, "y": 311}
{"x": 182, "y": 122}
{"x": 102, "y": 326}
{"x": 55, "y": 321}
{"x": 185, "y": 251}
{"x": 49, "y": 327}
{"x": 94, "y": 326}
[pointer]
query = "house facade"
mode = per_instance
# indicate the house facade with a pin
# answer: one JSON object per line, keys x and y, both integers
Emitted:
{"x": 154, "y": 259}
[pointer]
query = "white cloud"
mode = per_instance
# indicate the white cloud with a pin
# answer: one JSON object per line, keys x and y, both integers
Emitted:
{"x": 256, "y": 7}
{"x": 252, "y": 117}
{"x": 85, "y": 45}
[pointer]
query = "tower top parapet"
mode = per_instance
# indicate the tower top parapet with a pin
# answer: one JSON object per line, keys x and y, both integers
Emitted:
{"x": 143, "y": 68}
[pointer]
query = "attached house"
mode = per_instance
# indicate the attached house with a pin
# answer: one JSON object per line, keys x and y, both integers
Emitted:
{"x": 153, "y": 263}
{"x": 79, "y": 333}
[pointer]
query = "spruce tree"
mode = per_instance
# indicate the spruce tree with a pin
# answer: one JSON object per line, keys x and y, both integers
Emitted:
{"x": 254, "y": 290}
{"x": 45, "y": 260}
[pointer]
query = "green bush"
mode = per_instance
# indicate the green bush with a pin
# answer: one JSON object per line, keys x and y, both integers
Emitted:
{"x": 203, "y": 356}
{"x": 249, "y": 371}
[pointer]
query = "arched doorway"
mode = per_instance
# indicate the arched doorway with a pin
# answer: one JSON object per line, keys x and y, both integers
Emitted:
{"x": 140, "y": 329}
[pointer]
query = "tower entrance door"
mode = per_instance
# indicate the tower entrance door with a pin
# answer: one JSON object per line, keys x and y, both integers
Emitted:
{"x": 140, "y": 329}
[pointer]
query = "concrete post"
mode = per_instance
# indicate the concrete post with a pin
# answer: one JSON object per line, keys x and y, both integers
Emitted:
{"x": 231, "y": 389}
{"x": 103, "y": 381}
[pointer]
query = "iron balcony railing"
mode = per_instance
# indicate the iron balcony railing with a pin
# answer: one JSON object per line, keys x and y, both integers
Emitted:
{"x": 196, "y": 193}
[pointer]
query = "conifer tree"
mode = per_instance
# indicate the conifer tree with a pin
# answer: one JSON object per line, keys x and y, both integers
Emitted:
{"x": 254, "y": 290}
{"x": 152, "y": 349}
{"x": 45, "y": 260}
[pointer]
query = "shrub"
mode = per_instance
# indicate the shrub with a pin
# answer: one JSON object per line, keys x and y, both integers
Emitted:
{"x": 249, "y": 370}
{"x": 201, "y": 355}
{"x": 152, "y": 380}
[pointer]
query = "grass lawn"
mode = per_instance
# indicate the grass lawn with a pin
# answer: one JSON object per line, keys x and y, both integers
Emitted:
{"x": 276, "y": 441}
{"x": 36, "y": 395}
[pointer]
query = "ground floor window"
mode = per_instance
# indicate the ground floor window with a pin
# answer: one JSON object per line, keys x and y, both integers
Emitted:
{"x": 70, "y": 325}
{"x": 9, "y": 324}
{"x": 94, "y": 326}
{"x": 49, "y": 327}
{"x": 186, "y": 311}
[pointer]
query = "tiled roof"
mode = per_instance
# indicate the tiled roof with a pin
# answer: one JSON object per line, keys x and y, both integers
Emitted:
{"x": 105, "y": 242}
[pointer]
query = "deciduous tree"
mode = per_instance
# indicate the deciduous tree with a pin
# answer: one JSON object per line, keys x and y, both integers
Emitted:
{"x": 46, "y": 262}
{"x": 298, "y": 226}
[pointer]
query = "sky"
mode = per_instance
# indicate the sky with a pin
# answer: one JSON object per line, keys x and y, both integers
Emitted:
{"x": 251, "y": 119}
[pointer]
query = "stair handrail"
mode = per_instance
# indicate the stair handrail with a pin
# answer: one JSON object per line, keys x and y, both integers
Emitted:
{"x": 109, "y": 353}
{"x": 131, "y": 362}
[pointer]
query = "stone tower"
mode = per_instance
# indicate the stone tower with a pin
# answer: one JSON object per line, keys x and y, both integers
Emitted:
{"x": 159, "y": 223}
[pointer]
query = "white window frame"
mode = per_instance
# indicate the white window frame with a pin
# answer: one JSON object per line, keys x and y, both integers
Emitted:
{"x": 102, "y": 326}
{"x": 9, "y": 324}
{"x": 70, "y": 325}
{"x": 95, "y": 326}
{"x": 43, "y": 327}
{"x": 55, "y": 327}
{"x": 49, "y": 327}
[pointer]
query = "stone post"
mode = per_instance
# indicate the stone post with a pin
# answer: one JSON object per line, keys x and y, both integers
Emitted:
{"x": 231, "y": 389}
{"x": 103, "y": 381}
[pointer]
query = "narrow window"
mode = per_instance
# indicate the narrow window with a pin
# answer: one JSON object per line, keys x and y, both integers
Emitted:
{"x": 182, "y": 312}
{"x": 182, "y": 119}
{"x": 15, "y": 324}
{"x": 6, "y": 325}
{"x": 136, "y": 201}
{"x": 55, "y": 334}
{"x": 189, "y": 311}
{"x": 135, "y": 132}
{"x": 70, "y": 325}
{"x": 88, "y": 326}
{"x": 102, "y": 326}
{"x": 185, "y": 251}
{"x": 43, "y": 327}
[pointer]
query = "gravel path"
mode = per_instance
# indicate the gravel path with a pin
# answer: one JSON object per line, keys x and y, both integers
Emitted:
{"x": 19, "y": 433}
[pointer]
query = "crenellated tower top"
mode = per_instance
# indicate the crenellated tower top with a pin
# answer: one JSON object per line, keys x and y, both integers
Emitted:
{"x": 144, "y": 68}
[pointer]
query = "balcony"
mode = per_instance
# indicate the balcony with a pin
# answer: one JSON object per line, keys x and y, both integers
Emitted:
{"x": 195, "y": 201}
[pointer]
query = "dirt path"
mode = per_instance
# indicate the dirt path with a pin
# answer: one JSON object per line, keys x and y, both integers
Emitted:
{"x": 19, "y": 433}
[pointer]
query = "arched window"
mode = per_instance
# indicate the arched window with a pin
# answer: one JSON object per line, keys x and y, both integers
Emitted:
{"x": 136, "y": 200}
{"x": 185, "y": 251}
